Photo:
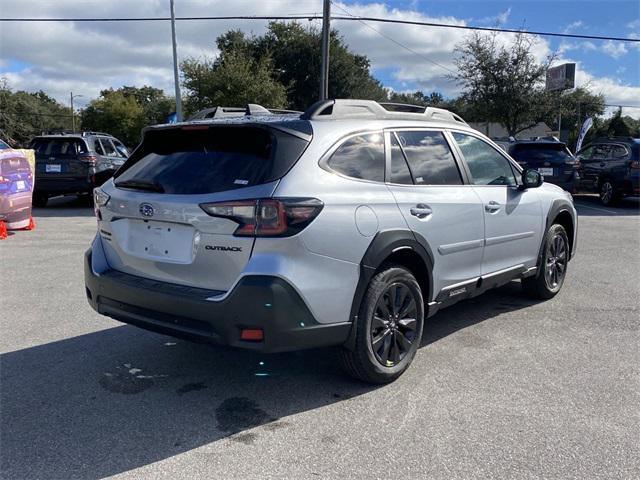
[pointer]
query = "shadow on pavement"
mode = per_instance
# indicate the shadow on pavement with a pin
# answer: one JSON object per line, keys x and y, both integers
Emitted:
{"x": 590, "y": 205}
{"x": 117, "y": 399}
{"x": 67, "y": 206}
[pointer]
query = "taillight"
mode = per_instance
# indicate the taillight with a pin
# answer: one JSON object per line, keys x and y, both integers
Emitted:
{"x": 634, "y": 164}
{"x": 575, "y": 164}
{"x": 4, "y": 179}
{"x": 267, "y": 217}
{"x": 90, "y": 159}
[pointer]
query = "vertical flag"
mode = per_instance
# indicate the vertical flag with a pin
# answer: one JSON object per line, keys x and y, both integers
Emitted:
{"x": 583, "y": 132}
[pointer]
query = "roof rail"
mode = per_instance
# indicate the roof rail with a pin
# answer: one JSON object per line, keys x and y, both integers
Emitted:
{"x": 250, "y": 109}
{"x": 87, "y": 133}
{"x": 370, "y": 109}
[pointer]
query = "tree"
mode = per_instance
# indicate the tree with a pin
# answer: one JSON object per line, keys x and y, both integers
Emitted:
{"x": 115, "y": 113}
{"x": 24, "y": 115}
{"x": 434, "y": 99}
{"x": 284, "y": 61}
{"x": 125, "y": 111}
{"x": 505, "y": 84}
{"x": 234, "y": 79}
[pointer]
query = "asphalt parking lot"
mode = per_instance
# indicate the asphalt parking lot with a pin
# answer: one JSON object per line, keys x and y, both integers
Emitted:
{"x": 502, "y": 387}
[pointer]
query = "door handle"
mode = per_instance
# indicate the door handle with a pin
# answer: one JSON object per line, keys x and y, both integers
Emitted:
{"x": 492, "y": 207}
{"x": 421, "y": 210}
{"x": 602, "y": 164}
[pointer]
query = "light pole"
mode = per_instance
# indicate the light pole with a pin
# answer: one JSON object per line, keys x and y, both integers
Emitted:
{"x": 176, "y": 77}
{"x": 73, "y": 115}
{"x": 326, "y": 33}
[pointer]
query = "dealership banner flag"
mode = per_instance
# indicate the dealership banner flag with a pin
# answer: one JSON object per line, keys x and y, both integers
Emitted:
{"x": 583, "y": 132}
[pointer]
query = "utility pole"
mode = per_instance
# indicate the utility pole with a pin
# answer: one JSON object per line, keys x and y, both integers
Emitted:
{"x": 73, "y": 113}
{"x": 176, "y": 77}
{"x": 324, "y": 69}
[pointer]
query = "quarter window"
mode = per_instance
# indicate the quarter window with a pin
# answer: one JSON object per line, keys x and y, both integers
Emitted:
{"x": 429, "y": 157}
{"x": 487, "y": 166}
{"x": 618, "y": 152}
{"x": 360, "y": 157}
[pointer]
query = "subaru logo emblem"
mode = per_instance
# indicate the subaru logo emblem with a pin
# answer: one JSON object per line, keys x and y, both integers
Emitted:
{"x": 146, "y": 210}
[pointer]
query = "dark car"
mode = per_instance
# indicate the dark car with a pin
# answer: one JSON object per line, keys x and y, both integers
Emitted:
{"x": 611, "y": 167}
{"x": 16, "y": 182}
{"x": 74, "y": 163}
{"x": 549, "y": 157}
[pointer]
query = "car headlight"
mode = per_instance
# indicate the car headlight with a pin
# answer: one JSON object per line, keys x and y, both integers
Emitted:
{"x": 100, "y": 198}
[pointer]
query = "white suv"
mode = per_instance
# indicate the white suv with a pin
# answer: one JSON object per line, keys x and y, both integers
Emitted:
{"x": 345, "y": 226}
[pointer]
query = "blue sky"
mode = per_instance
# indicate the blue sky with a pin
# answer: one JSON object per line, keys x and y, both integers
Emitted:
{"x": 88, "y": 57}
{"x": 602, "y": 18}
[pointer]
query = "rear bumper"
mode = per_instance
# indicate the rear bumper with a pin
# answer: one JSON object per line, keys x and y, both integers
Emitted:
{"x": 263, "y": 302}
{"x": 16, "y": 207}
{"x": 63, "y": 185}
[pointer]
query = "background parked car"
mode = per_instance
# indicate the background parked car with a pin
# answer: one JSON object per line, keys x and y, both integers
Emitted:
{"x": 611, "y": 167}
{"x": 16, "y": 183}
{"x": 74, "y": 163}
{"x": 550, "y": 157}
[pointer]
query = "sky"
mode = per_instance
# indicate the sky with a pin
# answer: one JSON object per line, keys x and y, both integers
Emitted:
{"x": 87, "y": 57}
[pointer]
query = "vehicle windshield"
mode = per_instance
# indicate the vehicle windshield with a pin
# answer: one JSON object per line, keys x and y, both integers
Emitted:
{"x": 4, "y": 146}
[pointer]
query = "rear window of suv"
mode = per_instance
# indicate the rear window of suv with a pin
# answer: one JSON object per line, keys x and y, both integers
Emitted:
{"x": 541, "y": 153}
{"x": 59, "y": 147}
{"x": 210, "y": 159}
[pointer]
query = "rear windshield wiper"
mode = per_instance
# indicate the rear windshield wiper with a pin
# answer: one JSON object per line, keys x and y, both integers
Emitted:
{"x": 141, "y": 185}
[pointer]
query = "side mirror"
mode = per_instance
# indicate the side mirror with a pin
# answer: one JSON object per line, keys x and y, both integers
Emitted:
{"x": 531, "y": 178}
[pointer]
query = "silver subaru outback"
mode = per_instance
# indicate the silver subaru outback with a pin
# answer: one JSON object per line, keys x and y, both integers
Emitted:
{"x": 345, "y": 226}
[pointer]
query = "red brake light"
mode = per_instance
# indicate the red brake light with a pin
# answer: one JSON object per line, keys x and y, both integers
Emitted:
{"x": 267, "y": 217}
{"x": 4, "y": 179}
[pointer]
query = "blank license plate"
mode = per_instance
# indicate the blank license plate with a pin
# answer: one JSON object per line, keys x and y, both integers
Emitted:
{"x": 53, "y": 168}
{"x": 161, "y": 241}
{"x": 546, "y": 171}
{"x": 20, "y": 185}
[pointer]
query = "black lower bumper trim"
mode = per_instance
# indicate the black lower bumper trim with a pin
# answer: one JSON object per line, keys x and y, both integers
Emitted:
{"x": 264, "y": 302}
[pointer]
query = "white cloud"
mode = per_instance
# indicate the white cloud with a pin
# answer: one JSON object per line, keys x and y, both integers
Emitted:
{"x": 613, "y": 49}
{"x": 88, "y": 57}
{"x": 573, "y": 26}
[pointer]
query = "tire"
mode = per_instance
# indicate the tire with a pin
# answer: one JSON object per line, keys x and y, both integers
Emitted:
{"x": 552, "y": 269}
{"x": 609, "y": 195}
{"x": 39, "y": 200}
{"x": 385, "y": 347}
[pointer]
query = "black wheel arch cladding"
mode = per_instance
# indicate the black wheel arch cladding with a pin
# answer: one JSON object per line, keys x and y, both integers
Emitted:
{"x": 383, "y": 246}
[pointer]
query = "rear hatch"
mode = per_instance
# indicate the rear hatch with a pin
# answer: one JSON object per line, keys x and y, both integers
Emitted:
{"x": 62, "y": 158}
{"x": 153, "y": 225}
{"x": 552, "y": 160}
{"x": 15, "y": 173}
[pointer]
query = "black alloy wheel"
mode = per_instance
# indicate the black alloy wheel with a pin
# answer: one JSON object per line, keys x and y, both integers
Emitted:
{"x": 393, "y": 327}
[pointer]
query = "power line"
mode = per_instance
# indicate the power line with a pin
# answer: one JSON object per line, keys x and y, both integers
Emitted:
{"x": 319, "y": 17}
{"x": 393, "y": 40}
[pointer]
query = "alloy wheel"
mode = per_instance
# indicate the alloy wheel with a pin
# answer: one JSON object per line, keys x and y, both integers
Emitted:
{"x": 394, "y": 324}
{"x": 606, "y": 192}
{"x": 556, "y": 261}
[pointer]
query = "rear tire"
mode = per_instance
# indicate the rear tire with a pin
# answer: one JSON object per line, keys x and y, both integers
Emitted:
{"x": 388, "y": 328}
{"x": 39, "y": 199}
{"x": 553, "y": 265}
{"x": 609, "y": 195}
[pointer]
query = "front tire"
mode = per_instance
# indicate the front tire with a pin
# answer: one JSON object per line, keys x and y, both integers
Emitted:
{"x": 388, "y": 328}
{"x": 553, "y": 265}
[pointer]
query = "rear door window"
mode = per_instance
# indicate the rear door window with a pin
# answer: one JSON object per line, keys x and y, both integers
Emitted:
{"x": 177, "y": 161}
{"x": 109, "y": 149}
{"x": 400, "y": 172}
{"x": 360, "y": 157}
{"x": 429, "y": 157}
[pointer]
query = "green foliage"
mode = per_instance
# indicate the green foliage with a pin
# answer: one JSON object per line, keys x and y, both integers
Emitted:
{"x": 504, "y": 84}
{"x": 434, "y": 99}
{"x": 278, "y": 69}
{"x": 125, "y": 111}
{"x": 24, "y": 115}
{"x": 234, "y": 79}
{"x": 616, "y": 126}
{"x": 115, "y": 113}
